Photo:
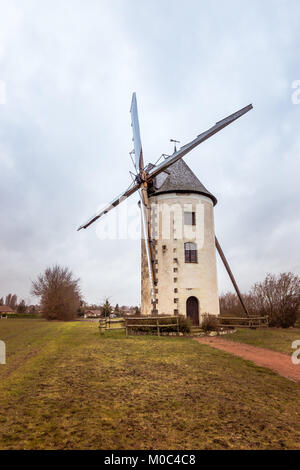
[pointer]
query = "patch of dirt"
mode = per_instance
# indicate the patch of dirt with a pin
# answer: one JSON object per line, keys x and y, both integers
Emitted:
{"x": 276, "y": 361}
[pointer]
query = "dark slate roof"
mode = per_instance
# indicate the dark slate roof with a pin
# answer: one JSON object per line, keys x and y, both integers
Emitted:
{"x": 179, "y": 178}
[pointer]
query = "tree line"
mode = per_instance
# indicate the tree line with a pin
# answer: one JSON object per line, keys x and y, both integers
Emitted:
{"x": 11, "y": 300}
{"x": 106, "y": 309}
{"x": 277, "y": 296}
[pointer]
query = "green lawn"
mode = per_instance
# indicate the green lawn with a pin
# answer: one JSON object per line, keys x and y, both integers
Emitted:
{"x": 65, "y": 387}
{"x": 277, "y": 339}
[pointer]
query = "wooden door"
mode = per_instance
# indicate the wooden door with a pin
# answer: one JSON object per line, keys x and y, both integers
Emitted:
{"x": 192, "y": 310}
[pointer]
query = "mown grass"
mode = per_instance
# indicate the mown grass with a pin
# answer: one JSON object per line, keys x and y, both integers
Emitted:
{"x": 277, "y": 339}
{"x": 67, "y": 387}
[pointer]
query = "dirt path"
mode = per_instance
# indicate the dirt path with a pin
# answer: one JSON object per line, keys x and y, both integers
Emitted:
{"x": 278, "y": 362}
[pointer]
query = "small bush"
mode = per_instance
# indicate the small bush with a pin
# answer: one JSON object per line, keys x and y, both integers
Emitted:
{"x": 210, "y": 323}
{"x": 184, "y": 325}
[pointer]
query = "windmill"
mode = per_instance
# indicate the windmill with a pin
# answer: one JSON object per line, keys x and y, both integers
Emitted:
{"x": 172, "y": 182}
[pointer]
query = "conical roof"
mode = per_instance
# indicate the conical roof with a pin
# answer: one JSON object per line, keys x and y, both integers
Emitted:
{"x": 179, "y": 178}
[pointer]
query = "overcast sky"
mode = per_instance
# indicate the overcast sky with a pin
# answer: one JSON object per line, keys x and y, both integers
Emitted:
{"x": 67, "y": 72}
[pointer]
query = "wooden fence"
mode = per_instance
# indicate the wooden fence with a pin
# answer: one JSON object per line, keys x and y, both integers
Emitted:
{"x": 244, "y": 322}
{"x": 125, "y": 324}
{"x": 156, "y": 323}
{"x": 110, "y": 324}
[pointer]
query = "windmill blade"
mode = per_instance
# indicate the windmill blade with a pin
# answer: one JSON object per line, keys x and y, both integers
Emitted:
{"x": 138, "y": 151}
{"x": 145, "y": 225}
{"x": 194, "y": 143}
{"x": 131, "y": 190}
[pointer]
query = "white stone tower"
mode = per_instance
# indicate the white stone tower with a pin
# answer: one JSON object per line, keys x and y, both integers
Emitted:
{"x": 183, "y": 247}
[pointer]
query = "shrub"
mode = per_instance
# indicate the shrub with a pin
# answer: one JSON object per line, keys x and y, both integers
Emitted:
{"x": 23, "y": 315}
{"x": 210, "y": 323}
{"x": 184, "y": 325}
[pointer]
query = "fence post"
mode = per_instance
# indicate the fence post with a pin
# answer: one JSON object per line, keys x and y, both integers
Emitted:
{"x": 126, "y": 331}
{"x": 177, "y": 321}
{"x": 157, "y": 322}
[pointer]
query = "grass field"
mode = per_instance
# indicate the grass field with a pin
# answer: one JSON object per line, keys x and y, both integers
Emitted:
{"x": 272, "y": 338}
{"x": 65, "y": 387}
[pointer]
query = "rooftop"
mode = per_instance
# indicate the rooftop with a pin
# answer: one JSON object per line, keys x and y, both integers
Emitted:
{"x": 6, "y": 309}
{"x": 179, "y": 178}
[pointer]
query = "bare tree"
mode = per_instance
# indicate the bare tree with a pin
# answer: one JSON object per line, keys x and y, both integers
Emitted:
{"x": 13, "y": 301}
{"x": 7, "y": 300}
{"x": 278, "y": 297}
{"x": 230, "y": 305}
{"x": 59, "y": 293}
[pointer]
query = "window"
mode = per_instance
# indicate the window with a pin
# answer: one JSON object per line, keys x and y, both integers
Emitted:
{"x": 190, "y": 218}
{"x": 190, "y": 252}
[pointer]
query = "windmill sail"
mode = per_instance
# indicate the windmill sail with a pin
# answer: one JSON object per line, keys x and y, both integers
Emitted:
{"x": 164, "y": 165}
{"x": 194, "y": 143}
{"x": 131, "y": 190}
{"x": 145, "y": 226}
{"x": 139, "y": 163}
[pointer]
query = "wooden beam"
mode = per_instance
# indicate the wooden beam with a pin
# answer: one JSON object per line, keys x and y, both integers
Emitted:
{"x": 227, "y": 267}
{"x": 147, "y": 238}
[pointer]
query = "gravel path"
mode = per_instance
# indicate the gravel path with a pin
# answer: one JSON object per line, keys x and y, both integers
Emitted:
{"x": 278, "y": 362}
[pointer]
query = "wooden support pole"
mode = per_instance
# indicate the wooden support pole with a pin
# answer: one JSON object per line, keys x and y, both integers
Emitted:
{"x": 237, "y": 290}
{"x": 101, "y": 325}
